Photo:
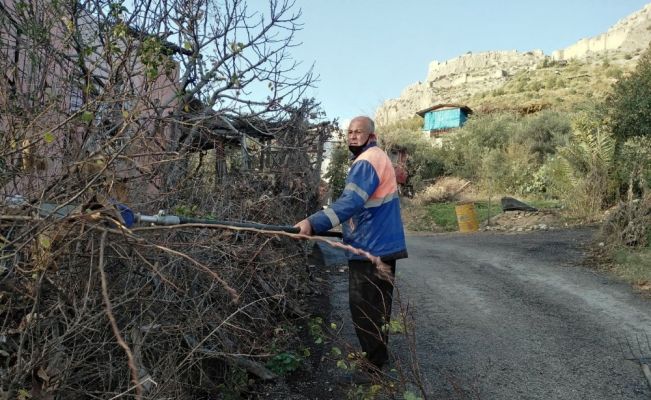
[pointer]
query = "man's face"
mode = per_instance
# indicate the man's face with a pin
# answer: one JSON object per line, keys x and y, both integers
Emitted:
{"x": 358, "y": 132}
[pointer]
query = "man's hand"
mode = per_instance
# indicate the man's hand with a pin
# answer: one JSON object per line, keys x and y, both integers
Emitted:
{"x": 384, "y": 272}
{"x": 305, "y": 227}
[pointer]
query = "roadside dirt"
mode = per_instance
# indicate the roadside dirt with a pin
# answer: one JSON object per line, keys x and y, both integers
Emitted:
{"x": 317, "y": 376}
{"x": 521, "y": 221}
{"x": 321, "y": 377}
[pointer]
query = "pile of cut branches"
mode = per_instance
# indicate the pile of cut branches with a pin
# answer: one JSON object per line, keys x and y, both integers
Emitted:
{"x": 91, "y": 308}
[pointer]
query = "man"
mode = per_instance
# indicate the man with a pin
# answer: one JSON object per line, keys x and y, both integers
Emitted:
{"x": 369, "y": 212}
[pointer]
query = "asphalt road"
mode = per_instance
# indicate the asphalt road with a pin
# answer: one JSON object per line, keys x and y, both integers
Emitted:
{"x": 516, "y": 317}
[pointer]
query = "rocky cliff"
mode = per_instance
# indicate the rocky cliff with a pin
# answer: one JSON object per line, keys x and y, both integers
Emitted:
{"x": 458, "y": 79}
{"x": 629, "y": 35}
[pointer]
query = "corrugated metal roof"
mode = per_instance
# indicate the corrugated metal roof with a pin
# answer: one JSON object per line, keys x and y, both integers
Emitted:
{"x": 444, "y": 106}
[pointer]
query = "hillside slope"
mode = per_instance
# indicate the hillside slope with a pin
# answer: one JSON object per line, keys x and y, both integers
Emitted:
{"x": 530, "y": 80}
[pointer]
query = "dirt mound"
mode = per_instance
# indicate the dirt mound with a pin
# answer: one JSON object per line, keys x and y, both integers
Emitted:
{"x": 444, "y": 189}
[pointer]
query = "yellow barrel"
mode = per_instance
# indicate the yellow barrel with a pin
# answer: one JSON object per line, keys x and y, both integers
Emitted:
{"x": 466, "y": 217}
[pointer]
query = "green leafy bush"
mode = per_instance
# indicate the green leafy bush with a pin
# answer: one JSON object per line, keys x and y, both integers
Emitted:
{"x": 505, "y": 150}
{"x": 338, "y": 169}
{"x": 462, "y": 153}
{"x": 284, "y": 363}
{"x": 630, "y": 102}
{"x": 422, "y": 162}
{"x": 509, "y": 170}
{"x": 542, "y": 133}
{"x": 589, "y": 166}
{"x": 634, "y": 166}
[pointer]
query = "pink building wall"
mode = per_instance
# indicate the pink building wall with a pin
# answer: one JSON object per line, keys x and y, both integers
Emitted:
{"x": 47, "y": 136}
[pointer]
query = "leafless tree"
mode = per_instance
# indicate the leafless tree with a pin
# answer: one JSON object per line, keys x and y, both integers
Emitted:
{"x": 150, "y": 103}
{"x": 159, "y": 78}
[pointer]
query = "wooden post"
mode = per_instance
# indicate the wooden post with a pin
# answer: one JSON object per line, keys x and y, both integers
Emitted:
{"x": 246, "y": 163}
{"x": 220, "y": 162}
{"x": 263, "y": 150}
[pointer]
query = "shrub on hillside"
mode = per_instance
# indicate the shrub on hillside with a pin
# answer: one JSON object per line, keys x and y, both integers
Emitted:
{"x": 422, "y": 163}
{"x": 634, "y": 167}
{"x": 588, "y": 164}
{"x": 630, "y": 102}
{"x": 510, "y": 170}
{"x": 543, "y": 133}
{"x": 463, "y": 152}
{"x": 629, "y": 224}
{"x": 614, "y": 72}
{"x": 506, "y": 150}
{"x": 554, "y": 177}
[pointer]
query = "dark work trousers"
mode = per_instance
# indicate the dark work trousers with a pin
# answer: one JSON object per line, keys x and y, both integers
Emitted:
{"x": 370, "y": 305}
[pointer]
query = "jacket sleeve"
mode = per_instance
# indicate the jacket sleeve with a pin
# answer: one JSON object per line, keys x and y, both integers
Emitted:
{"x": 361, "y": 182}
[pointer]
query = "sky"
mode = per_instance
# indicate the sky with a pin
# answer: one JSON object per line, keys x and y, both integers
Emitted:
{"x": 368, "y": 51}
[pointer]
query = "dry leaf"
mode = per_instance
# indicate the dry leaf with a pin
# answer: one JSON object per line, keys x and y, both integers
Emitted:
{"x": 43, "y": 375}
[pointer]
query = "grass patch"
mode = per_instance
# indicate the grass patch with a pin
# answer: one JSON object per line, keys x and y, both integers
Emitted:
{"x": 444, "y": 214}
{"x": 544, "y": 204}
{"x": 633, "y": 265}
{"x": 416, "y": 218}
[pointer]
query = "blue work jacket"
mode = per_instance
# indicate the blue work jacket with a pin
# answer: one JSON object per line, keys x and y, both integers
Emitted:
{"x": 368, "y": 209}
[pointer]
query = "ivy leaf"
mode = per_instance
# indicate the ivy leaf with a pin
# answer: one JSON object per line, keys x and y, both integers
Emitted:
{"x": 44, "y": 241}
{"x": 120, "y": 30}
{"x": 48, "y": 137}
{"x": 69, "y": 24}
{"x": 23, "y": 394}
{"x": 87, "y": 116}
{"x": 410, "y": 396}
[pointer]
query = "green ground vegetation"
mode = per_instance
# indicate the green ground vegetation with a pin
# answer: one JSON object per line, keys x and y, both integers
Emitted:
{"x": 559, "y": 85}
{"x": 633, "y": 265}
{"x": 444, "y": 214}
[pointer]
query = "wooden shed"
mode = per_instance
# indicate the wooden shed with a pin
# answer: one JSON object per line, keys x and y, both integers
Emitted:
{"x": 444, "y": 117}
